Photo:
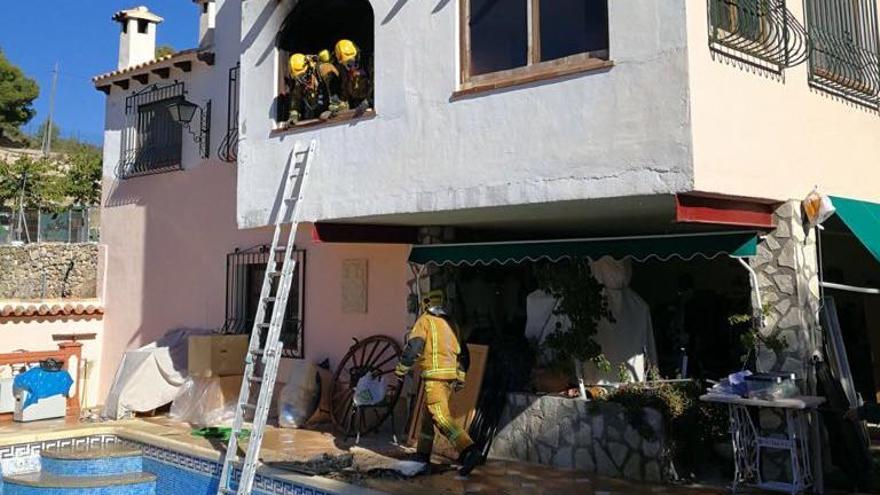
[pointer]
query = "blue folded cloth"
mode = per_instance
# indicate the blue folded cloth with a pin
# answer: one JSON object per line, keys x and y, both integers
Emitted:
{"x": 41, "y": 384}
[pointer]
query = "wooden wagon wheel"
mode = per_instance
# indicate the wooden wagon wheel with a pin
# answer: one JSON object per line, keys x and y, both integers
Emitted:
{"x": 378, "y": 355}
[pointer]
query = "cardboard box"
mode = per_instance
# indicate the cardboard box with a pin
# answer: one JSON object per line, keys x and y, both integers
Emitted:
{"x": 217, "y": 355}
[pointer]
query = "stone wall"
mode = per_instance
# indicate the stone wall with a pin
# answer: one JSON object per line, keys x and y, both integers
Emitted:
{"x": 49, "y": 271}
{"x": 787, "y": 273}
{"x": 591, "y": 436}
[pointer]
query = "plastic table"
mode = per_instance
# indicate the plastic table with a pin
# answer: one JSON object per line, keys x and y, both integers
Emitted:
{"x": 749, "y": 442}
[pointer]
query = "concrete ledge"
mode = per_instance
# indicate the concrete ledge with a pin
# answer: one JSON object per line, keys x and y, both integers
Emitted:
{"x": 42, "y": 480}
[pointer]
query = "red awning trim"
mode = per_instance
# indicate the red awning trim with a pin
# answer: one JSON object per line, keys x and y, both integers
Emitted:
{"x": 725, "y": 210}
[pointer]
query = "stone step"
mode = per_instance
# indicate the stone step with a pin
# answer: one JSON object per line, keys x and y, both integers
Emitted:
{"x": 91, "y": 461}
{"x": 48, "y": 484}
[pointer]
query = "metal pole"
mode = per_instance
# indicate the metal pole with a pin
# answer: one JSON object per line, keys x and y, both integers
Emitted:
{"x": 47, "y": 139}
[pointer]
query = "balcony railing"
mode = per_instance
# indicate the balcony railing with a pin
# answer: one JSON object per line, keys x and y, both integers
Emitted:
{"x": 762, "y": 32}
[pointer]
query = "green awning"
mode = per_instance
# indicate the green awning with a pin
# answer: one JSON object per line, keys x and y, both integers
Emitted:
{"x": 640, "y": 248}
{"x": 863, "y": 219}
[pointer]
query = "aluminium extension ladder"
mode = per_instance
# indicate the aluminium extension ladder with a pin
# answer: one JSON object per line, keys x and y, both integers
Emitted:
{"x": 276, "y": 295}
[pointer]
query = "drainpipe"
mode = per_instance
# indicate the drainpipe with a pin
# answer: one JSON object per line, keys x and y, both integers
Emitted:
{"x": 757, "y": 290}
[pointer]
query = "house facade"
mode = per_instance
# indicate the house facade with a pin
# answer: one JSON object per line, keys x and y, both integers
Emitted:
{"x": 484, "y": 123}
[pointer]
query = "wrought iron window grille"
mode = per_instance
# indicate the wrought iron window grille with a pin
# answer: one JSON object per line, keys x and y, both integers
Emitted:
{"x": 758, "y": 32}
{"x": 244, "y": 278}
{"x": 228, "y": 151}
{"x": 844, "y": 49}
{"x": 151, "y": 140}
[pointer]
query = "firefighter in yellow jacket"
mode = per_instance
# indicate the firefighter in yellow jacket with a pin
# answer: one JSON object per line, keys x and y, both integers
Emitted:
{"x": 434, "y": 346}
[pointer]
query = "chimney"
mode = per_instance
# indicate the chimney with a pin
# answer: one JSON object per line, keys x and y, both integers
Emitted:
{"x": 137, "y": 41}
{"x": 207, "y": 17}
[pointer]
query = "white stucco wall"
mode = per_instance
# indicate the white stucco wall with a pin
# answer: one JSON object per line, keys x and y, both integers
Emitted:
{"x": 618, "y": 132}
{"x": 774, "y": 137}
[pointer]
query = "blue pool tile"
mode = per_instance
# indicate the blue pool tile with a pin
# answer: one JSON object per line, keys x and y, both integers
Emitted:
{"x": 92, "y": 467}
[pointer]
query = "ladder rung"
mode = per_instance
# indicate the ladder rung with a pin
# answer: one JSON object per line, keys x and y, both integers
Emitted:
{"x": 252, "y": 407}
{"x": 271, "y": 299}
{"x": 281, "y": 249}
{"x": 263, "y": 325}
{"x": 256, "y": 379}
{"x": 275, "y": 274}
{"x": 257, "y": 352}
{"x": 227, "y": 490}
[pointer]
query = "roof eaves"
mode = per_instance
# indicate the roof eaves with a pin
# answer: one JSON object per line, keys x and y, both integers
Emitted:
{"x": 182, "y": 55}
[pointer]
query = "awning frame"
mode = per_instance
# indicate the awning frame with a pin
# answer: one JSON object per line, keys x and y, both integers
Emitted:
{"x": 530, "y": 250}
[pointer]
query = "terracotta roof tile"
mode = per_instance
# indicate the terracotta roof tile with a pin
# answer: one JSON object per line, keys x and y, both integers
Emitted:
{"x": 23, "y": 309}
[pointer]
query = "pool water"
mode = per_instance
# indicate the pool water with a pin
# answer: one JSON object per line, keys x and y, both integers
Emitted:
{"x": 110, "y": 465}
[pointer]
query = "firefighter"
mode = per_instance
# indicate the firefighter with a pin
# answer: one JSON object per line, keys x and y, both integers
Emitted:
{"x": 330, "y": 81}
{"x": 306, "y": 96}
{"x": 355, "y": 80}
{"x": 434, "y": 346}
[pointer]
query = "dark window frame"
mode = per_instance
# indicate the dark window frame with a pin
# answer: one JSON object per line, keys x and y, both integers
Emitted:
{"x": 244, "y": 277}
{"x": 535, "y": 69}
{"x": 281, "y": 103}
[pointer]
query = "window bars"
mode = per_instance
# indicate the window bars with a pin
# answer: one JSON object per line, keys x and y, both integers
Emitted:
{"x": 844, "y": 51}
{"x": 244, "y": 276}
{"x": 151, "y": 140}
{"x": 759, "y": 32}
{"x": 228, "y": 151}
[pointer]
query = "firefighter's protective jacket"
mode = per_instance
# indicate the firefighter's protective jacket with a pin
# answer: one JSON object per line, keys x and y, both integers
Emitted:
{"x": 434, "y": 346}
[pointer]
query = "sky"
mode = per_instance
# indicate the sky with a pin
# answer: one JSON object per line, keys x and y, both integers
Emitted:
{"x": 83, "y": 39}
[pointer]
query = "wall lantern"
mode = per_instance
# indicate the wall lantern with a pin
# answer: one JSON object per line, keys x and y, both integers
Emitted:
{"x": 183, "y": 112}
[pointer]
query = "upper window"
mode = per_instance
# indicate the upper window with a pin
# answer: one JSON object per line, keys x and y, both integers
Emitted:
{"x": 152, "y": 139}
{"x": 509, "y": 40}
{"x": 845, "y": 56}
{"x": 326, "y": 61}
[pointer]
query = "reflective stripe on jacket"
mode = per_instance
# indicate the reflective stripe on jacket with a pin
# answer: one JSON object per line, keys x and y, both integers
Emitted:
{"x": 439, "y": 347}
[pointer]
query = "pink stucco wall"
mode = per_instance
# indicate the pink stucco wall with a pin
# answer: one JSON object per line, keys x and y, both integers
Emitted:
{"x": 329, "y": 331}
{"x": 167, "y": 238}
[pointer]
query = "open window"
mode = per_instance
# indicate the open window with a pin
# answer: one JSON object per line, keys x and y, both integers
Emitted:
{"x": 507, "y": 42}
{"x": 331, "y": 84}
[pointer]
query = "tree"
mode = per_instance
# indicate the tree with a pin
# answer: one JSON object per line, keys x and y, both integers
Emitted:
{"x": 41, "y": 134}
{"x": 163, "y": 50}
{"x": 32, "y": 181}
{"x": 82, "y": 185}
{"x": 17, "y": 95}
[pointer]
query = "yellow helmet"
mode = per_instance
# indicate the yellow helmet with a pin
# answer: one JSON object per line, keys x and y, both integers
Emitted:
{"x": 324, "y": 56}
{"x": 346, "y": 51}
{"x": 299, "y": 64}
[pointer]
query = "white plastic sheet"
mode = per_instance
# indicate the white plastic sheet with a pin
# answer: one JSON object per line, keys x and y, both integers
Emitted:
{"x": 207, "y": 401}
{"x": 300, "y": 395}
{"x": 149, "y": 377}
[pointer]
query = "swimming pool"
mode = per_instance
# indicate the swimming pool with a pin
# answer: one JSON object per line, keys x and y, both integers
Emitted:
{"x": 134, "y": 467}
